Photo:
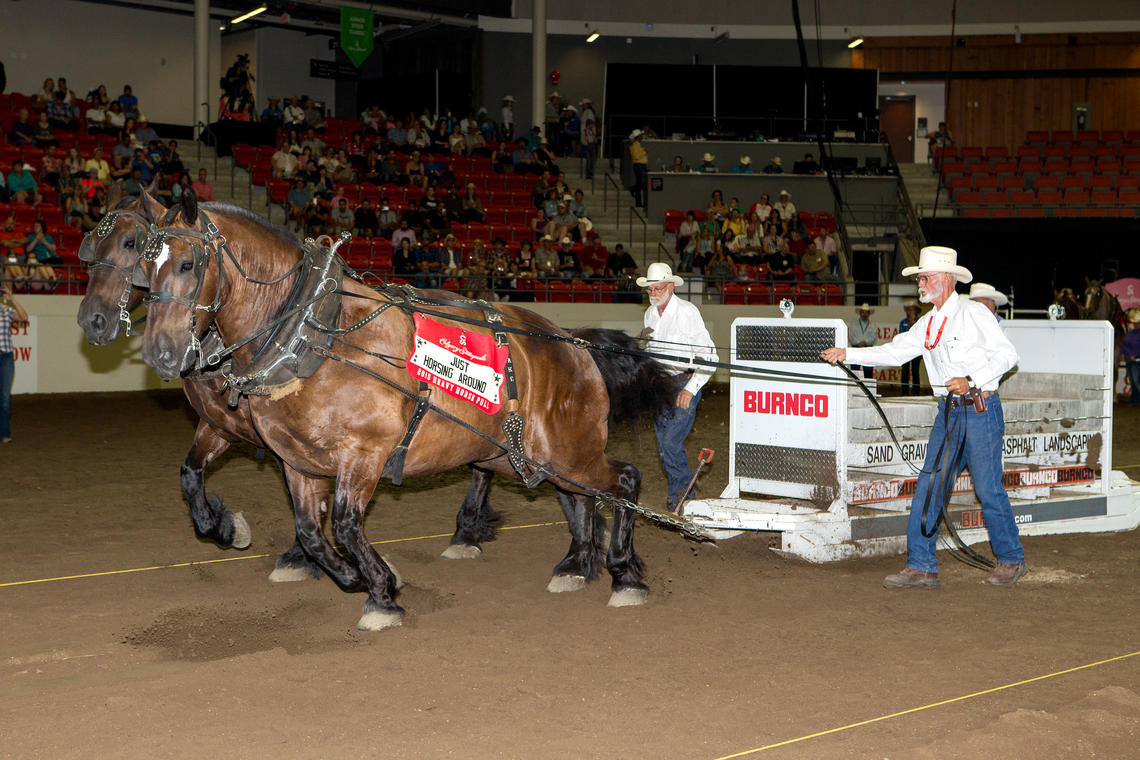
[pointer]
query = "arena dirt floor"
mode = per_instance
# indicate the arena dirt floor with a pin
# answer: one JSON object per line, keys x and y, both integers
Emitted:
{"x": 124, "y": 636}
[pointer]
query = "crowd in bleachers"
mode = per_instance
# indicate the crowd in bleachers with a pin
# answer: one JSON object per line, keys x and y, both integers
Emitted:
{"x": 761, "y": 252}
{"x": 438, "y": 199}
{"x": 1089, "y": 173}
{"x": 58, "y": 153}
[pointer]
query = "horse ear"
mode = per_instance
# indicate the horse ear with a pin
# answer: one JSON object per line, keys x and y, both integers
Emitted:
{"x": 114, "y": 195}
{"x": 189, "y": 202}
{"x": 150, "y": 207}
{"x": 152, "y": 188}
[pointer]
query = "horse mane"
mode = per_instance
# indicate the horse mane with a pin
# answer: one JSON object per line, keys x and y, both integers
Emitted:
{"x": 634, "y": 382}
{"x": 256, "y": 219}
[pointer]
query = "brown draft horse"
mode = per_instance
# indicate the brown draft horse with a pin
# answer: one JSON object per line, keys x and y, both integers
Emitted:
{"x": 112, "y": 253}
{"x": 1100, "y": 304}
{"x": 343, "y": 424}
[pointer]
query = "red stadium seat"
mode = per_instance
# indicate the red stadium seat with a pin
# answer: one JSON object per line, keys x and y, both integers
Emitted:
{"x": 1080, "y": 151}
{"x": 1128, "y": 182}
{"x": 986, "y": 182}
{"x": 1111, "y": 136}
{"x": 977, "y": 213}
{"x": 1016, "y": 182}
{"x": 1028, "y": 151}
{"x": 1060, "y": 136}
{"x": 1037, "y": 137}
{"x": 1090, "y": 136}
{"x": 1047, "y": 182}
{"x": 971, "y": 197}
{"x": 1103, "y": 197}
{"x": 1001, "y": 213}
{"x": 996, "y": 151}
{"x": 1109, "y": 166}
{"x": 1030, "y": 213}
{"x": 1074, "y": 183}
{"x": 1076, "y": 197}
{"x": 1022, "y": 197}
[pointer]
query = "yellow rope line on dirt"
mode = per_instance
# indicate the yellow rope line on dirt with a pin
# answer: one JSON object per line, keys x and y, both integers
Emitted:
{"x": 242, "y": 557}
{"x": 927, "y": 707}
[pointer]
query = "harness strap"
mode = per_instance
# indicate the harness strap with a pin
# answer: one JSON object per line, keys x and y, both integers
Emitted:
{"x": 394, "y": 466}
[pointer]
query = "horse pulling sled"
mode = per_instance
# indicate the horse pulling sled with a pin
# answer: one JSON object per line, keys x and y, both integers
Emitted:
{"x": 812, "y": 459}
{"x": 330, "y": 375}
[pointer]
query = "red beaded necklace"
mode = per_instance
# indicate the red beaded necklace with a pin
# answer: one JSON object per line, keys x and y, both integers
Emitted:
{"x": 930, "y": 346}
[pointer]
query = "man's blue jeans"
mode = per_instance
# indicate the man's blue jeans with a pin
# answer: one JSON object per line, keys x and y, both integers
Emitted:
{"x": 983, "y": 456}
{"x": 673, "y": 428}
{"x": 7, "y": 374}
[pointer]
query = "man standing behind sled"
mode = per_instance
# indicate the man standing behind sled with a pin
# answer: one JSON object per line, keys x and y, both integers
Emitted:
{"x": 964, "y": 349}
{"x": 674, "y": 326}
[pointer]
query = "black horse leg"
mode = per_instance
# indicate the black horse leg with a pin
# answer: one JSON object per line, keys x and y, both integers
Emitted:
{"x": 295, "y": 565}
{"x": 211, "y": 519}
{"x": 476, "y": 521}
{"x": 353, "y": 490}
{"x": 625, "y": 566}
{"x": 310, "y": 498}
{"x": 583, "y": 561}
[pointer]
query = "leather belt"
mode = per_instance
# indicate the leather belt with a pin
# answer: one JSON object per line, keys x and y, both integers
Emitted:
{"x": 956, "y": 401}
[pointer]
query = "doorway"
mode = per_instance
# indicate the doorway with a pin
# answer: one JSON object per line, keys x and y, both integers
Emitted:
{"x": 896, "y": 119}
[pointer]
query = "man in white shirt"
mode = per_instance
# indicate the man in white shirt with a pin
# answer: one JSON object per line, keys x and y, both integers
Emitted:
{"x": 862, "y": 334}
{"x": 675, "y": 327}
{"x": 784, "y": 205}
{"x": 507, "y": 117}
{"x": 965, "y": 350}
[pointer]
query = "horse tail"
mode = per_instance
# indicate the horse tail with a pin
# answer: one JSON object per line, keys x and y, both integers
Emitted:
{"x": 637, "y": 384}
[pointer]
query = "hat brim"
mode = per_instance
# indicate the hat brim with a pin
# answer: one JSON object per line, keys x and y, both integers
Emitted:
{"x": 643, "y": 282}
{"x": 961, "y": 273}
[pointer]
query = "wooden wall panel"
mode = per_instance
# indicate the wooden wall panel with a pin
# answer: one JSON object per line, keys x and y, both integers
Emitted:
{"x": 1007, "y": 108}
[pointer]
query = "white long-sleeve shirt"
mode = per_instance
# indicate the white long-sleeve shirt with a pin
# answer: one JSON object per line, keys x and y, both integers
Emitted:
{"x": 680, "y": 331}
{"x": 972, "y": 345}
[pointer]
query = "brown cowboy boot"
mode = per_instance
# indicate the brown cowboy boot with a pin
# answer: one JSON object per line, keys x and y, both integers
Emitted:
{"x": 911, "y": 578}
{"x": 1006, "y": 574}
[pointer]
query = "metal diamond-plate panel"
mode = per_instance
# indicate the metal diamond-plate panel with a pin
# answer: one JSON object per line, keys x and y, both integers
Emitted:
{"x": 785, "y": 464}
{"x": 783, "y": 343}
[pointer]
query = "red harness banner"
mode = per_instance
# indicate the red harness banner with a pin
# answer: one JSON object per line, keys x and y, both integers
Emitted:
{"x": 463, "y": 364}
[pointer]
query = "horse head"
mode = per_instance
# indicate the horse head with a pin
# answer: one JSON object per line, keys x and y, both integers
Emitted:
{"x": 184, "y": 288}
{"x": 1064, "y": 298}
{"x": 111, "y": 251}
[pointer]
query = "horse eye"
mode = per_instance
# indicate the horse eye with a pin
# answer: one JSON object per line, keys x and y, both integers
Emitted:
{"x": 187, "y": 266}
{"x": 129, "y": 243}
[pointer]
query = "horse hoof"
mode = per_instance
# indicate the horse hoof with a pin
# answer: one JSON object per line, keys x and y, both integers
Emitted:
{"x": 562, "y": 583}
{"x": 461, "y": 551}
{"x": 395, "y": 573}
{"x": 628, "y": 597}
{"x": 242, "y": 534}
{"x": 378, "y": 620}
{"x": 291, "y": 574}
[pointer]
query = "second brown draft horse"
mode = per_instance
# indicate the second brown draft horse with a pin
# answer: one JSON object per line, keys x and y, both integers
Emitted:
{"x": 235, "y": 273}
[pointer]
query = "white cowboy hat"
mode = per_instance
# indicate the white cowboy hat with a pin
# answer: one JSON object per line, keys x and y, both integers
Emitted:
{"x": 554, "y": 95}
{"x": 864, "y": 307}
{"x": 746, "y": 160}
{"x": 785, "y": 192}
{"x": 1133, "y": 316}
{"x": 708, "y": 158}
{"x": 985, "y": 290}
{"x": 509, "y": 97}
{"x": 585, "y": 101}
{"x": 566, "y": 241}
{"x": 635, "y": 134}
{"x": 936, "y": 258}
{"x": 778, "y": 161}
{"x": 912, "y": 304}
{"x": 658, "y": 272}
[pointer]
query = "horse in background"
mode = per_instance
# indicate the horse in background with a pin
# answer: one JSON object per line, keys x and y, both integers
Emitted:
{"x": 1065, "y": 298}
{"x": 1101, "y": 304}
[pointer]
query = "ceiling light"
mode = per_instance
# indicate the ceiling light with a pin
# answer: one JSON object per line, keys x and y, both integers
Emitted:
{"x": 249, "y": 15}
{"x": 855, "y": 43}
{"x": 593, "y": 36}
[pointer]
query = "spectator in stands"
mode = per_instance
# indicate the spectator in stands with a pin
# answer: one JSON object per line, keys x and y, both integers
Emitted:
{"x": 815, "y": 264}
{"x": 22, "y": 185}
{"x": 639, "y": 158}
{"x": 13, "y": 241}
{"x": 546, "y": 259}
{"x": 428, "y": 267}
{"x": 781, "y": 265}
{"x": 432, "y": 209}
{"x": 784, "y": 206}
{"x": 387, "y": 219}
{"x": 719, "y": 268}
{"x": 313, "y": 116}
{"x": 678, "y": 166}
{"x": 42, "y": 133}
{"x": 371, "y": 119}
{"x": 343, "y": 219}
{"x": 544, "y": 157}
{"x": 23, "y": 131}
{"x": 593, "y": 256}
{"x": 116, "y": 119}
{"x": 475, "y": 144}
{"x": 405, "y": 231}
{"x": 862, "y": 334}
{"x": 42, "y": 245}
{"x": 283, "y": 162}
{"x": 441, "y": 140}
{"x": 806, "y": 166}
{"x": 364, "y": 220}
{"x": 717, "y": 209}
{"x": 526, "y": 259}
{"x": 273, "y": 114}
{"x": 507, "y": 117}
{"x": 940, "y": 137}
{"x": 826, "y": 243}
{"x": 120, "y": 169}
{"x": 98, "y": 97}
{"x": 404, "y": 257}
{"x": 564, "y": 224}
{"x": 141, "y": 161}
{"x": 296, "y": 202}
{"x": 173, "y": 160}
{"x": 471, "y": 206}
{"x": 589, "y": 138}
{"x": 73, "y": 165}
{"x": 796, "y": 225}
{"x": 129, "y": 103}
{"x": 203, "y": 189}
{"x": 145, "y": 132}
{"x": 775, "y": 166}
{"x": 733, "y": 225}
{"x": 51, "y": 167}
{"x": 747, "y": 247}
{"x": 10, "y": 311}
{"x": 59, "y": 114}
{"x": 134, "y": 183}
{"x": 708, "y": 164}
{"x": 414, "y": 170}
{"x": 293, "y": 114}
{"x": 578, "y": 205}
{"x": 314, "y": 143}
{"x": 372, "y": 171}
{"x": 323, "y": 184}
{"x": 744, "y": 166}
{"x": 523, "y": 160}
{"x": 318, "y": 216}
{"x": 96, "y": 118}
{"x": 46, "y": 94}
{"x": 569, "y": 266}
{"x": 450, "y": 257}
{"x": 92, "y": 184}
